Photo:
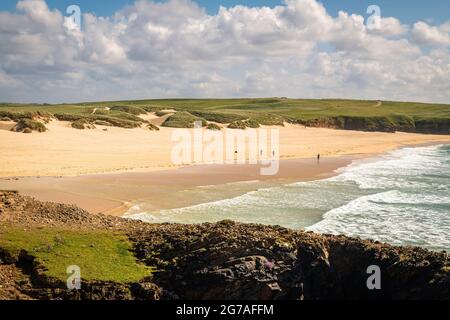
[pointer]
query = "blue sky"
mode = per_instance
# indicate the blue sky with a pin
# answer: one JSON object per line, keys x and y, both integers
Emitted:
{"x": 408, "y": 11}
{"x": 176, "y": 50}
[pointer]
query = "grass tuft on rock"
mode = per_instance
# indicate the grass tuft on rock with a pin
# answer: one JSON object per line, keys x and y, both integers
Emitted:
{"x": 101, "y": 255}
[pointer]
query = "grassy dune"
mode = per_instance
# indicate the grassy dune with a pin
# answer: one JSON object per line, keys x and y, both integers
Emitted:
{"x": 341, "y": 114}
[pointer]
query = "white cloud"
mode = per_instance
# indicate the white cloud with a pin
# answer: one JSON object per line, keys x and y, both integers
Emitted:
{"x": 433, "y": 35}
{"x": 391, "y": 27}
{"x": 175, "y": 49}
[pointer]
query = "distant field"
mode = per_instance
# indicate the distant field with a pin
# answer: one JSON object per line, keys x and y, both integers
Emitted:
{"x": 341, "y": 114}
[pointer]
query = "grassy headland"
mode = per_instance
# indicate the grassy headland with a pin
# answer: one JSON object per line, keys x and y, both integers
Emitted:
{"x": 101, "y": 255}
{"x": 224, "y": 260}
{"x": 362, "y": 115}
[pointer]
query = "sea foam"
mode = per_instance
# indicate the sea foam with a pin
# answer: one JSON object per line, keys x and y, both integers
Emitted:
{"x": 401, "y": 198}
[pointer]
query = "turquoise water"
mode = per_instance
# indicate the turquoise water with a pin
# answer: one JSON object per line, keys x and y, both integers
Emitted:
{"x": 402, "y": 198}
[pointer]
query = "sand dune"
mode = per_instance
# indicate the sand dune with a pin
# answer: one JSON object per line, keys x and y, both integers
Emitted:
{"x": 7, "y": 125}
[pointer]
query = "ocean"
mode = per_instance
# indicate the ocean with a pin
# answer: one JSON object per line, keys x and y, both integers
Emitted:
{"x": 401, "y": 198}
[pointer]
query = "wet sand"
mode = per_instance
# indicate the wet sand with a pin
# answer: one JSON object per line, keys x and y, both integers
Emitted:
{"x": 166, "y": 189}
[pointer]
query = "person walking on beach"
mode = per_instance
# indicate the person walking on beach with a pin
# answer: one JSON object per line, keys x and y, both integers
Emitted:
{"x": 318, "y": 157}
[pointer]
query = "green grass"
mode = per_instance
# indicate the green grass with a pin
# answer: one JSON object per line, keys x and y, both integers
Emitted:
{"x": 237, "y": 125}
{"x": 251, "y": 123}
{"x": 121, "y": 120}
{"x": 82, "y": 124}
{"x": 161, "y": 113}
{"x": 218, "y": 117}
{"x": 213, "y": 127}
{"x": 101, "y": 255}
{"x": 28, "y": 125}
{"x": 183, "y": 120}
{"x": 129, "y": 109}
{"x": 344, "y": 114}
{"x": 25, "y": 114}
{"x": 102, "y": 123}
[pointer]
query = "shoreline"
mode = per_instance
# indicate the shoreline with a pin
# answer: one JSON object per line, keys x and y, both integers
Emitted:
{"x": 25, "y": 223}
{"x": 293, "y": 203}
{"x": 163, "y": 185}
{"x": 116, "y": 193}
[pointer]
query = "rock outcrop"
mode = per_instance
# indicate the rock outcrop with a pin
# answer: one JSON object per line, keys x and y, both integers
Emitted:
{"x": 228, "y": 260}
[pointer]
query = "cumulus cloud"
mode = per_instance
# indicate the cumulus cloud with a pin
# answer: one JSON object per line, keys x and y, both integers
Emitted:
{"x": 175, "y": 49}
{"x": 391, "y": 27}
{"x": 432, "y": 35}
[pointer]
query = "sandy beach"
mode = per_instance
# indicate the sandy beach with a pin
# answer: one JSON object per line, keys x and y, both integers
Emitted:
{"x": 106, "y": 170}
{"x": 165, "y": 189}
{"x": 64, "y": 151}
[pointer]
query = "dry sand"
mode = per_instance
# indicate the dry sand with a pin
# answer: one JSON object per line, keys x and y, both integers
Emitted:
{"x": 64, "y": 151}
{"x": 104, "y": 171}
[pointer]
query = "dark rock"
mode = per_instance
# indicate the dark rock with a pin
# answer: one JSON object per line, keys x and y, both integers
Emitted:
{"x": 147, "y": 291}
{"x": 228, "y": 260}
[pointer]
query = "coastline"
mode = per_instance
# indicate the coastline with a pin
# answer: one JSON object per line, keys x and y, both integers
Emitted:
{"x": 357, "y": 200}
{"x": 115, "y": 193}
{"x": 166, "y": 186}
{"x": 206, "y": 268}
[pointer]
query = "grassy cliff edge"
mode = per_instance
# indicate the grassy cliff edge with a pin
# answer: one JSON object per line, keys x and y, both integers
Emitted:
{"x": 225, "y": 260}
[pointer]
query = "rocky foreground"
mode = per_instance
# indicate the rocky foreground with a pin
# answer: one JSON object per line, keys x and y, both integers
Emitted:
{"x": 226, "y": 260}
